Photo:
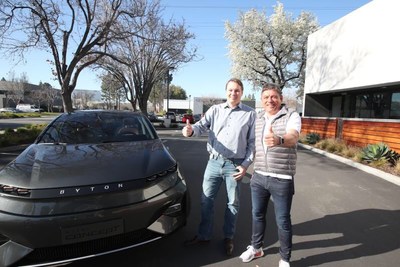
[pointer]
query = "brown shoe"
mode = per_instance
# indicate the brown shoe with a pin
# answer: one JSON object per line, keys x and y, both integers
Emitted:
{"x": 228, "y": 244}
{"x": 195, "y": 241}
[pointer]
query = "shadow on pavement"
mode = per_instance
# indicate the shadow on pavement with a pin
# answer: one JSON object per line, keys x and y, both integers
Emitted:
{"x": 365, "y": 232}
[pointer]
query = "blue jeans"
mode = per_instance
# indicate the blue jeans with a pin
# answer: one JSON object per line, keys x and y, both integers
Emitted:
{"x": 217, "y": 171}
{"x": 281, "y": 190}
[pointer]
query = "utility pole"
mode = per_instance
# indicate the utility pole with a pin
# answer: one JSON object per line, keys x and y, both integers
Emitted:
{"x": 169, "y": 80}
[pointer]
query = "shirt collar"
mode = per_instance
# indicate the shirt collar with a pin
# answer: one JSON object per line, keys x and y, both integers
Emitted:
{"x": 226, "y": 105}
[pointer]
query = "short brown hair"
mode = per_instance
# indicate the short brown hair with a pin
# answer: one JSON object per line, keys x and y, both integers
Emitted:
{"x": 235, "y": 80}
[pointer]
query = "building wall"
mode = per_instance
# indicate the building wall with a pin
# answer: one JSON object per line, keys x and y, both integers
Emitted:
{"x": 352, "y": 86}
{"x": 358, "y": 51}
{"x": 197, "y": 104}
{"x": 357, "y": 132}
{"x": 182, "y": 105}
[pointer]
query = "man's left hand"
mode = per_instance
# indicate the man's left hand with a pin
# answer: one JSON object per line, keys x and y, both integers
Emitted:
{"x": 241, "y": 171}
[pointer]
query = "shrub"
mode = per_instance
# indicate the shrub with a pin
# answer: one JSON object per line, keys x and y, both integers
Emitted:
{"x": 22, "y": 135}
{"x": 312, "y": 138}
{"x": 323, "y": 144}
{"x": 380, "y": 163}
{"x": 379, "y": 152}
{"x": 302, "y": 138}
{"x": 396, "y": 168}
{"x": 335, "y": 146}
{"x": 393, "y": 157}
{"x": 350, "y": 151}
{"x": 378, "y": 156}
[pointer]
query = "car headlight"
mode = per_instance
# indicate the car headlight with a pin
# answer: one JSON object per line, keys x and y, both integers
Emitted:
{"x": 163, "y": 173}
{"x": 14, "y": 191}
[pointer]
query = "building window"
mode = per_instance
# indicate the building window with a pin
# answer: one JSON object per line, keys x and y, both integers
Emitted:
{"x": 380, "y": 105}
{"x": 362, "y": 106}
{"x": 372, "y": 105}
{"x": 395, "y": 106}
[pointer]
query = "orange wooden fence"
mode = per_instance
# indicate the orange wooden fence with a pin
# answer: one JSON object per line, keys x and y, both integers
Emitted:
{"x": 357, "y": 132}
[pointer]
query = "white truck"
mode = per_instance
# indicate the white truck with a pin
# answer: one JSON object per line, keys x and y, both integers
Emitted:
{"x": 28, "y": 108}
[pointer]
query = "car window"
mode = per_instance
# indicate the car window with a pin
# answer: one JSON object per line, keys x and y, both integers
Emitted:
{"x": 98, "y": 128}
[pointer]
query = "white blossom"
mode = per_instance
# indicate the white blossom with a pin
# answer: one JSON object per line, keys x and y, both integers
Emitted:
{"x": 270, "y": 49}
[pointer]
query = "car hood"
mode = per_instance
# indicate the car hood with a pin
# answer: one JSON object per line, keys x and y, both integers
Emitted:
{"x": 43, "y": 166}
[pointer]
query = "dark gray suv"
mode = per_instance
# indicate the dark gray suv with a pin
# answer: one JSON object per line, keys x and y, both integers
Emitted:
{"x": 92, "y": 183}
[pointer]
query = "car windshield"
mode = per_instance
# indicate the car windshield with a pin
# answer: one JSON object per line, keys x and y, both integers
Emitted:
{"x": 98, "y": 127}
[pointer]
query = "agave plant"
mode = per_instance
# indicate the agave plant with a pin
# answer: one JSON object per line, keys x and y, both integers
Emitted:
{"x": 379, "y": 152}
{"x": 312, "y": 138}
{"x": 393, "y": 157}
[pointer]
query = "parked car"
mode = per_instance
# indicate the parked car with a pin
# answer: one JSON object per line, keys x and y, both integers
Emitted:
{"x": 152, "y": 117}
{"x": 188, "y": 117}
{"x": 171, "y": 115}
{"x": 11, "y": 110}
{"x": 160, "y": 117}
{"x": 28, "y": 108}
{"x": 197, "y": 117}
{"x": 178, "y": 117}
{"x": 85, "y": 187}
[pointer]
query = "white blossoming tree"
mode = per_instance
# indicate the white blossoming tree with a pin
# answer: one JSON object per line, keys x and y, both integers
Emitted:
{"x": 270, "y": 49}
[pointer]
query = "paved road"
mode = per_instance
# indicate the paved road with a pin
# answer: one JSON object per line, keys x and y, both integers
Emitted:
{"x": 342, "y": 216}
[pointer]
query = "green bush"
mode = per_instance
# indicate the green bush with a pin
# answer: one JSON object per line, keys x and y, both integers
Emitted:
{"x": 379, "y": 153}
{"x": 312, "y": 138}
{"x": 22, "y": 135}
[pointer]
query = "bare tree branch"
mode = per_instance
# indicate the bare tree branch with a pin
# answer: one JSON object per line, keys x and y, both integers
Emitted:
{"x": 76, "y": 33}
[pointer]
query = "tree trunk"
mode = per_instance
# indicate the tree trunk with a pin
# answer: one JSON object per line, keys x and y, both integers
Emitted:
{"x": 67, "y": 99}
{"x": 143, "y": 105}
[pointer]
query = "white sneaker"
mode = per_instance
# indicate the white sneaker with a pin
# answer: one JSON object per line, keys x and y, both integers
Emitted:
{"x": 283, "y": 263}
{"x": 251, "y": 253}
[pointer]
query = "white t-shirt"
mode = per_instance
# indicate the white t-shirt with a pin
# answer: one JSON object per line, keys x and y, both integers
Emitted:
{"x": 294, "y": 122}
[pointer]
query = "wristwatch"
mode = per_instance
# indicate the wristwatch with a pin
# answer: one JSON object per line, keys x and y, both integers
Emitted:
{"x": 281, "y": 140}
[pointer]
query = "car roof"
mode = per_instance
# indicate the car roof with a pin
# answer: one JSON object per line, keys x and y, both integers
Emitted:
{"x": 106, "y": 111}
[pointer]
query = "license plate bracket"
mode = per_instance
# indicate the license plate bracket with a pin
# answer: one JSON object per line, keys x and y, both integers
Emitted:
{"x": 92, "y": 231}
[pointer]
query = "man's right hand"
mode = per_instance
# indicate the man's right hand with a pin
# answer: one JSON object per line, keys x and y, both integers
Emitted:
{"x": 187, "y": 131}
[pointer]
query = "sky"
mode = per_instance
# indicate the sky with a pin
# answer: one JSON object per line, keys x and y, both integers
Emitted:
{"x": 205, "y": 19}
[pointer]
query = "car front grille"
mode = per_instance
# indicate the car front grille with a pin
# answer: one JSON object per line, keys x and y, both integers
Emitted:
{"x": 98, "y": 246}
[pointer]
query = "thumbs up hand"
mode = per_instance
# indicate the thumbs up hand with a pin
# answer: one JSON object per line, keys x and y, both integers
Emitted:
{"x": 187, "y": 131}
{"x": 270, "y": 139}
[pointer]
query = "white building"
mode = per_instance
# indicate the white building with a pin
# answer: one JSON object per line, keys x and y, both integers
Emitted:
{"x": 352, "y": 65}
{"x": 198, "y": 105}
{"x": 181, "y": 106}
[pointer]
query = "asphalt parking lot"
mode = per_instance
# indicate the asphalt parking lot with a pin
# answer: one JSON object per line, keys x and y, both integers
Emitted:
{"x": 342, "y": 216}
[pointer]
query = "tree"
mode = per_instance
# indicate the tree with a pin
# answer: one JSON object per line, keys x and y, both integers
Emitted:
{"x": 17, "y": 87}
{"x": 111, "y": 91}
{"x": 177, "y": 92}
{"x": 82, "y": 98}
{"x": 143, "y": 60}
{"x": 270, "y": 49}
{"x": 157, "y": 96}
{"x": 210, "y": 101}
{"x": 76, "y": 33}
{"x": 38, "y": 96}
{"x": 50, "y": 95}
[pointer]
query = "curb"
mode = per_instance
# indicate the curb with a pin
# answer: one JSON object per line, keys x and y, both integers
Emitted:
{"x": 381, "y": 174}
